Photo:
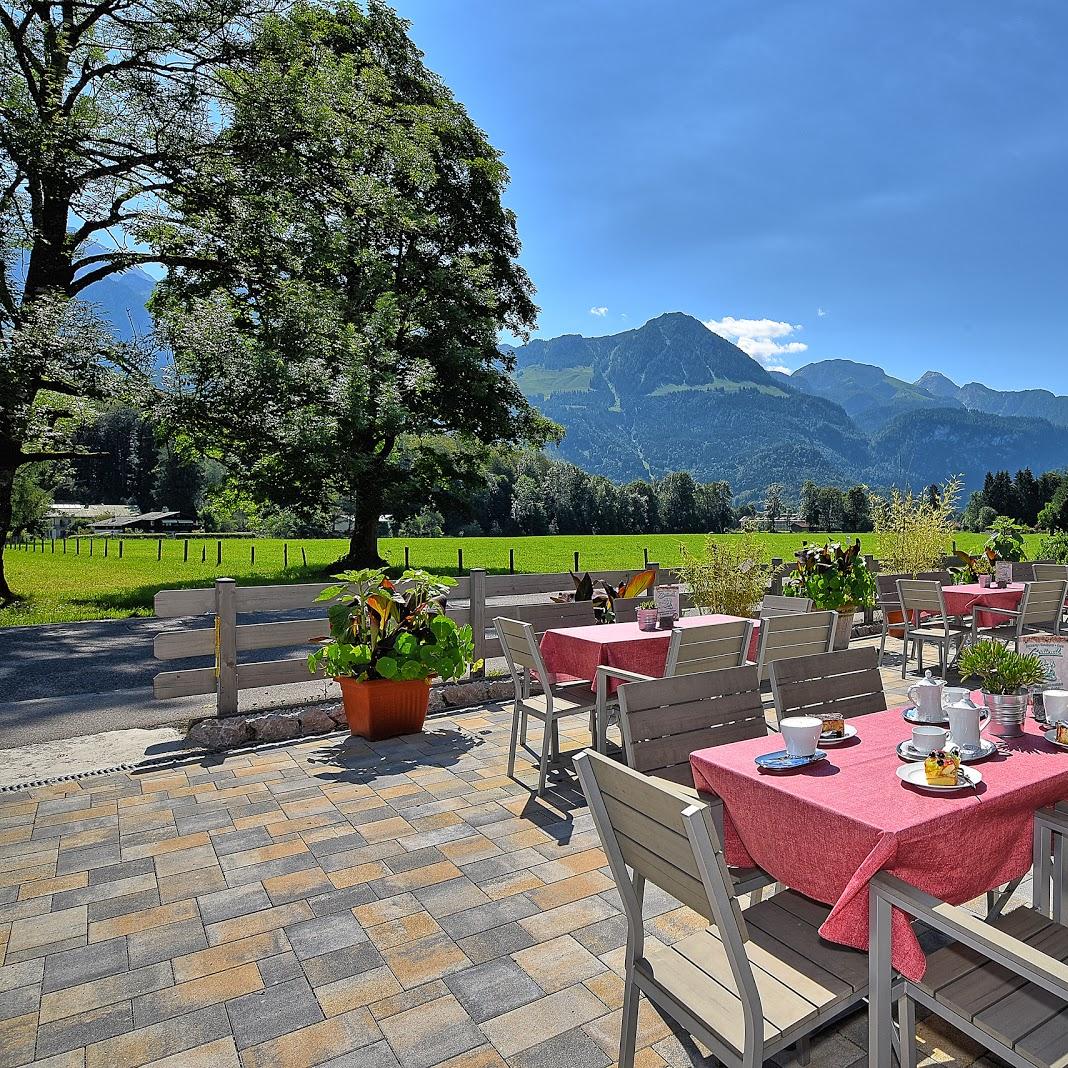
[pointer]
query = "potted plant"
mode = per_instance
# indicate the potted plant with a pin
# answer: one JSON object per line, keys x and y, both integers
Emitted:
{"x": 730, "y": 576}
{"x": 976, "y": 568}
{"x": 837, "y": 580}
{"x": 387, "y": 641}
{"x": 646, "y": 615}
{"x": 1004, "y": 675}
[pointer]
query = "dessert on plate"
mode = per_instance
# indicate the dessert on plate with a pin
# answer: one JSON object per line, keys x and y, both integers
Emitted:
{"x": 833, "y": 725}
{"x": 1062, "y": 733}
{"x": 942, "y": 768}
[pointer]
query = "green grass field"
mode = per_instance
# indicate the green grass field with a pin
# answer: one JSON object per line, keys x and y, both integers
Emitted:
{"x": 63, "y": 587}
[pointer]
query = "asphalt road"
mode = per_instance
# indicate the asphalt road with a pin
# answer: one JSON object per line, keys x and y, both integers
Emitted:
{"x": 73, "y": 679}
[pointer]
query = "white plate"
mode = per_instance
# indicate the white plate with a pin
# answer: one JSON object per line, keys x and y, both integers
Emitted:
{"x": 1051, "y": 737}
{"x": 986, "y": 748}
{"x": 850, "y": 732}
{"x": 914, "y": 775}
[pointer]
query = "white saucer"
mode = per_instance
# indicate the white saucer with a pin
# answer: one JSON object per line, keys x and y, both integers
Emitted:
{"x": 850, "y": 732}
{"x": 1050, "y": 736}
{"x": 914, "y": 775}
{"x": 967, "y": 756}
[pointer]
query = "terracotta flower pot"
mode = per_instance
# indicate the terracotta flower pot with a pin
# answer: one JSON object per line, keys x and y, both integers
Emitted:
{"x": 385, "y": 708}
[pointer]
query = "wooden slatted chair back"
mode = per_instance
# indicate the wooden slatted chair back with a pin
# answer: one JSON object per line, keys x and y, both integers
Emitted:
{"x": 943, "y": 578}
{"x": 1050, "y": 572}
{"x": 663, "y": 837}
{"x": 708, "y": 647}
{"x": 519, "y": 643}
{"x": 886, "y": 590}
{"x": 664, "y": 720}
{"x": 774, "y": 605}
{"x": 1043, "y": 604}
{"x": 921, "y": 595}
{"x": 787, "y": 637}
{"x": 846, "y": 683}
{"x": 626, "y": 608}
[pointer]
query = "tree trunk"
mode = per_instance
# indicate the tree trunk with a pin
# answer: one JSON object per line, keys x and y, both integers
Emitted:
{"x": 7, "y": 481}
{"x": 363, "y": 543}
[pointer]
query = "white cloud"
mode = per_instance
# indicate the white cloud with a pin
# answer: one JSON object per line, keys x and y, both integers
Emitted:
{"x": 761, "y": 339}
{"x": 821, "y": 313}
{"x": 600, "y": 311}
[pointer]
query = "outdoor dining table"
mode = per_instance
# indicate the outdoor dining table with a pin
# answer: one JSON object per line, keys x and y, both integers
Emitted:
{"x": 971, "y": 597}
{"x": 575, "y": 653}
{"x": 827, "y": 829}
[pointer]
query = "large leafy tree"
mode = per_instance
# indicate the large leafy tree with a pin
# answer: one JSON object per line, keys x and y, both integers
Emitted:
{"x": 104, "y": 104}
{"x": 349, "y": 349}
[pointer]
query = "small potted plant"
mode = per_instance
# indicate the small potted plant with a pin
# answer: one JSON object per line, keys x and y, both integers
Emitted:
{"x": 646, "y": 615}
{"x": 976, "y": 568}
{"x": 1004, "y": 675}
{"x": 386, "y": 642}
{"x": 837, "y": 580}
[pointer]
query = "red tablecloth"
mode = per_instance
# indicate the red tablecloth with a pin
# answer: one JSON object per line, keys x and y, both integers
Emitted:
{"x": 577, "y": 652}
{"x": 961, "y": 600}
{"x": 826, "y": 830}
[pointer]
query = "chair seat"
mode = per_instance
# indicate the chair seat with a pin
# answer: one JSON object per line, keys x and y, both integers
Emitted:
{"x": 569, "y": 699}
{"x": 801, "y": 978}
{"x": 1014, "y": 1012}
{"x": 956, "y": 630}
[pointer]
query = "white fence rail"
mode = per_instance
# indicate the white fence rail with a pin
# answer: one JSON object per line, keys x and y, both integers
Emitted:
{"x": 487, "y": 596}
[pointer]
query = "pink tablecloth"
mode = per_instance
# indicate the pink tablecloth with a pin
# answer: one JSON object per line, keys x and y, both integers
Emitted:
{"x": 827, "y": 830}
{"x": 961, "y": 600}
{"x": 577, "y": 652}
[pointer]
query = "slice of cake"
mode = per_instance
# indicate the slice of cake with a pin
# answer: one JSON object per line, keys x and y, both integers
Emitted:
{"x": 1062, "y": 732}
{"x": 942, "y": 768}
{"x": 833, "y": 725}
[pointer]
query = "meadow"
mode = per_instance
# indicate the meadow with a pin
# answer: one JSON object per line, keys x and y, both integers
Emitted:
{"x": 59, "y": 587}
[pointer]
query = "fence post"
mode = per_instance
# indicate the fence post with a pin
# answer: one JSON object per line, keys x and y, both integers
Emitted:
{"x": 218, "y": 554}
{"x": 78, "y": 546}
{"x": 459, "y": 561}
{"x": 53, "y": 540}
{"x": 776, "y": 581}
{"x": 406, "y": 564}
{"x": 64, "y": 544}
{"x": 120, "y": 548}
{"x": 91, "y": 540}
{"x": 645, "y": 554}
{"x": 285, "y": 555}
{"x": 511, "y": 561}
{"x": 576, "y": 561}
{"x": 252, "y": 555}
{"x": 159, "y": 549}
{"x": 106, "y": 543}
{"x": 478, "y": 613}
{"x": 204, "y": 553}
{"x": 226, "y": 646}
{"x": 185, "y": 551}
{"x": 303, "y": 556}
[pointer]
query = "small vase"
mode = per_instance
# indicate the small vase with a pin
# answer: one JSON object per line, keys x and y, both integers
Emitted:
{"x": 1007, "y": 713}
{"x": 647, "y": 618}
{"x": 984, "y": 581}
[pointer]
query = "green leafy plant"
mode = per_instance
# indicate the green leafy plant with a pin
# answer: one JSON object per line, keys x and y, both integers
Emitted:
{"x": 833, "y": 575}
{"x": 982, "y": 563}
{"x": 914, "y": 531}
{"x": 1055, "y": 548}
{"x": 1006, "y": 540}
{"x": 728, "y": 577}
{"x": 604, "y": 599}
{"x": 1001, "y": 670}
{"x": 385, "y": 630}
{"x": 647, "y": 605}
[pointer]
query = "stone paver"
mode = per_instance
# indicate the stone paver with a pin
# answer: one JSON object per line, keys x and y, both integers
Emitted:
{"x": 333, "y": 904}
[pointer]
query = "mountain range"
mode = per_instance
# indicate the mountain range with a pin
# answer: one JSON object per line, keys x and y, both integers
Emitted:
{"x": 672, "y": 395}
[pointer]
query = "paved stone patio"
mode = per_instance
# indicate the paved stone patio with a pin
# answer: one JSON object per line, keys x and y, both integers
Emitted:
{"x": 331, "y": 903}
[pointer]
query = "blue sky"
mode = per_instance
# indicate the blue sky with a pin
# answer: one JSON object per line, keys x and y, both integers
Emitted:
{"x": 883, "y": 182}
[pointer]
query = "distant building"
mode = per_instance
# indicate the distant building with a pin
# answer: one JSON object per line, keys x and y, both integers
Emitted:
{"x": 165, "y": 522}
{"x": 62, "y": 517}
{"x": 784, "y": 524}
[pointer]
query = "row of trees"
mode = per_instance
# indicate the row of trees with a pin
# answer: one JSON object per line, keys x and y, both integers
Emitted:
{"x": 1033, "y": 501}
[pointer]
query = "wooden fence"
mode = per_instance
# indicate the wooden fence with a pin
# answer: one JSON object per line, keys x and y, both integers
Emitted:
{"x": 487, "y": 596}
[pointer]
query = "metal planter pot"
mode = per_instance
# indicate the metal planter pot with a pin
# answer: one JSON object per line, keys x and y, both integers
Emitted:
{"x": 1007, "y": 713}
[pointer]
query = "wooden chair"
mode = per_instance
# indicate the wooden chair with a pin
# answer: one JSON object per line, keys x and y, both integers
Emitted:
{"x": 847, "y": 683}
{"x": 1003, "y": 983}
{"x": 773, "y": 605}
{"x": 708, "y": 647}
{"x": 1041, "y": 608}
{"x": 926, "y": 622}
{"x": 889, "y": 603}
{"x": 520, "y": 646}
{"x": 787, "y": 637}
{"x": 749, "y": 985}
{"x": 1050, "y": 572}
{"x": 664, "y": 720}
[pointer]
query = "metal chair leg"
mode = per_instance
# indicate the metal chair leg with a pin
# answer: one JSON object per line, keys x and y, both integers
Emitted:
{"x": 906, "y": 1028}
{"x": 546, "y": 742}
{"x": 512, "y": 741}
{"x": 629, "y": 1037}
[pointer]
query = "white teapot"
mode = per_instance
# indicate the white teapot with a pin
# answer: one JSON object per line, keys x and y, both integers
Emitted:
{"x": 926, "y": 697}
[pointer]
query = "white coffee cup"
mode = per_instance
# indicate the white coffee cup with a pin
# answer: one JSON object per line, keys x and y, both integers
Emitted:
{"x": 928, "y": 739}
{"x": 801, "y": 735}
{"x": 1055, "y": 703}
